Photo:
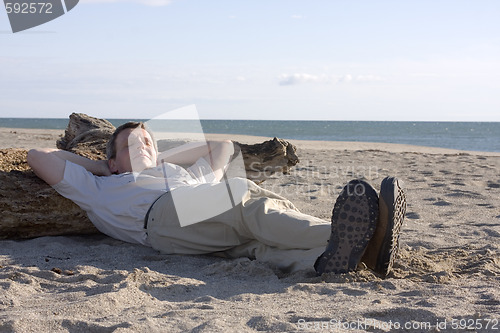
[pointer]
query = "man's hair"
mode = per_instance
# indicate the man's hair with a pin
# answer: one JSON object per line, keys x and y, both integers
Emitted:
{"x": 111, "y": 146}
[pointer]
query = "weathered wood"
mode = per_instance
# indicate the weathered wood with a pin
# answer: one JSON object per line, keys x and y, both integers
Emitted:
{"x": 262, "y": 160}
{"x": 86, "y": 136}
{"x": 31, "y": 208}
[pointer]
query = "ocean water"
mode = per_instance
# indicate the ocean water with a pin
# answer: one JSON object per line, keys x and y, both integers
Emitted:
{"x": 478, "y": 136}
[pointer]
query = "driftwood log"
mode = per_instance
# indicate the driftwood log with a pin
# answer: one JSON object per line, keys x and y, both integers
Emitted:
{"x": 31, "y": 208}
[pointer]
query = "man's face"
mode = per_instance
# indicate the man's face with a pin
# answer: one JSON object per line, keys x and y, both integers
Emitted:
{"x": 135, "y": 151}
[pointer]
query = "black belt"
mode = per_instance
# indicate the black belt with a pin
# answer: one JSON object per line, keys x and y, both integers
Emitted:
{"x": 146, "y": 218}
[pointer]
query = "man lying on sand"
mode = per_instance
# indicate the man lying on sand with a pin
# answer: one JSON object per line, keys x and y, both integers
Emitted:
{"x": 136, "y": 195}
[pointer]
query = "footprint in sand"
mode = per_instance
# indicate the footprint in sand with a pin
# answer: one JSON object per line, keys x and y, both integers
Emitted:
{"x": 437, "y": 185}
{"x": 486, "y": 205}
{"x": 442, "y": 203}
{"x": 466, "y": 194}
{"x": 412, "y": 216}
{"x": 491, "y": 184}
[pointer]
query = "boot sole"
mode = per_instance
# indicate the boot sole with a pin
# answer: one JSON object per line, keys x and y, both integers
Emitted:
{"x": 393, "y": 201}
{"x": 354, "y": 219}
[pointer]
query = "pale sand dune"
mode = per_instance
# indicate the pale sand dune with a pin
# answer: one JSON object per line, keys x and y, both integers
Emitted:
{"x": 448, "y": 268}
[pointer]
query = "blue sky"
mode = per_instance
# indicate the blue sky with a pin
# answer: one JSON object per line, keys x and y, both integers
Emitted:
{"x": 273, "y": 59}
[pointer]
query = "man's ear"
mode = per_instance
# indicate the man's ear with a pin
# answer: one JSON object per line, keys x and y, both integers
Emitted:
{"x": 112, "y": 166}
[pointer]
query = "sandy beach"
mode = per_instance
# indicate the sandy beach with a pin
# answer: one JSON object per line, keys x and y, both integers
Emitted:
{"x": 446, "y": 277}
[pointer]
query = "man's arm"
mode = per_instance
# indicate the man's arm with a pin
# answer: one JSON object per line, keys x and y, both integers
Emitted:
{"x": 189, "y": 153}
{"x": 49, "y": 164}
{"x": 216, "y": 153}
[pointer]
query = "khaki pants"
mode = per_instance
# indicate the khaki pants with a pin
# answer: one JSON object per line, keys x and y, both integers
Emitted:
{"x": 264, "y": 226}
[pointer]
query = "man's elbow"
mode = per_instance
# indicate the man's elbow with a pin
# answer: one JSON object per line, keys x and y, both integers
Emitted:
{"x": 45, "y": 166}
{"x": 32, "y": 157}
{"x": 35, "y": 157}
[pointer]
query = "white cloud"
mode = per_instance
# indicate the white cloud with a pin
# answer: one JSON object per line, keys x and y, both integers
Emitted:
{"x": 300, "y": 78}
{"x": 368, "y": 78}
{"x": 287, "y": 80}
{"x": 424, "y": 75}
{"x": 345, "y": 78}
{"x": 153, "y": 3}
{"x": 297, "y": 17}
